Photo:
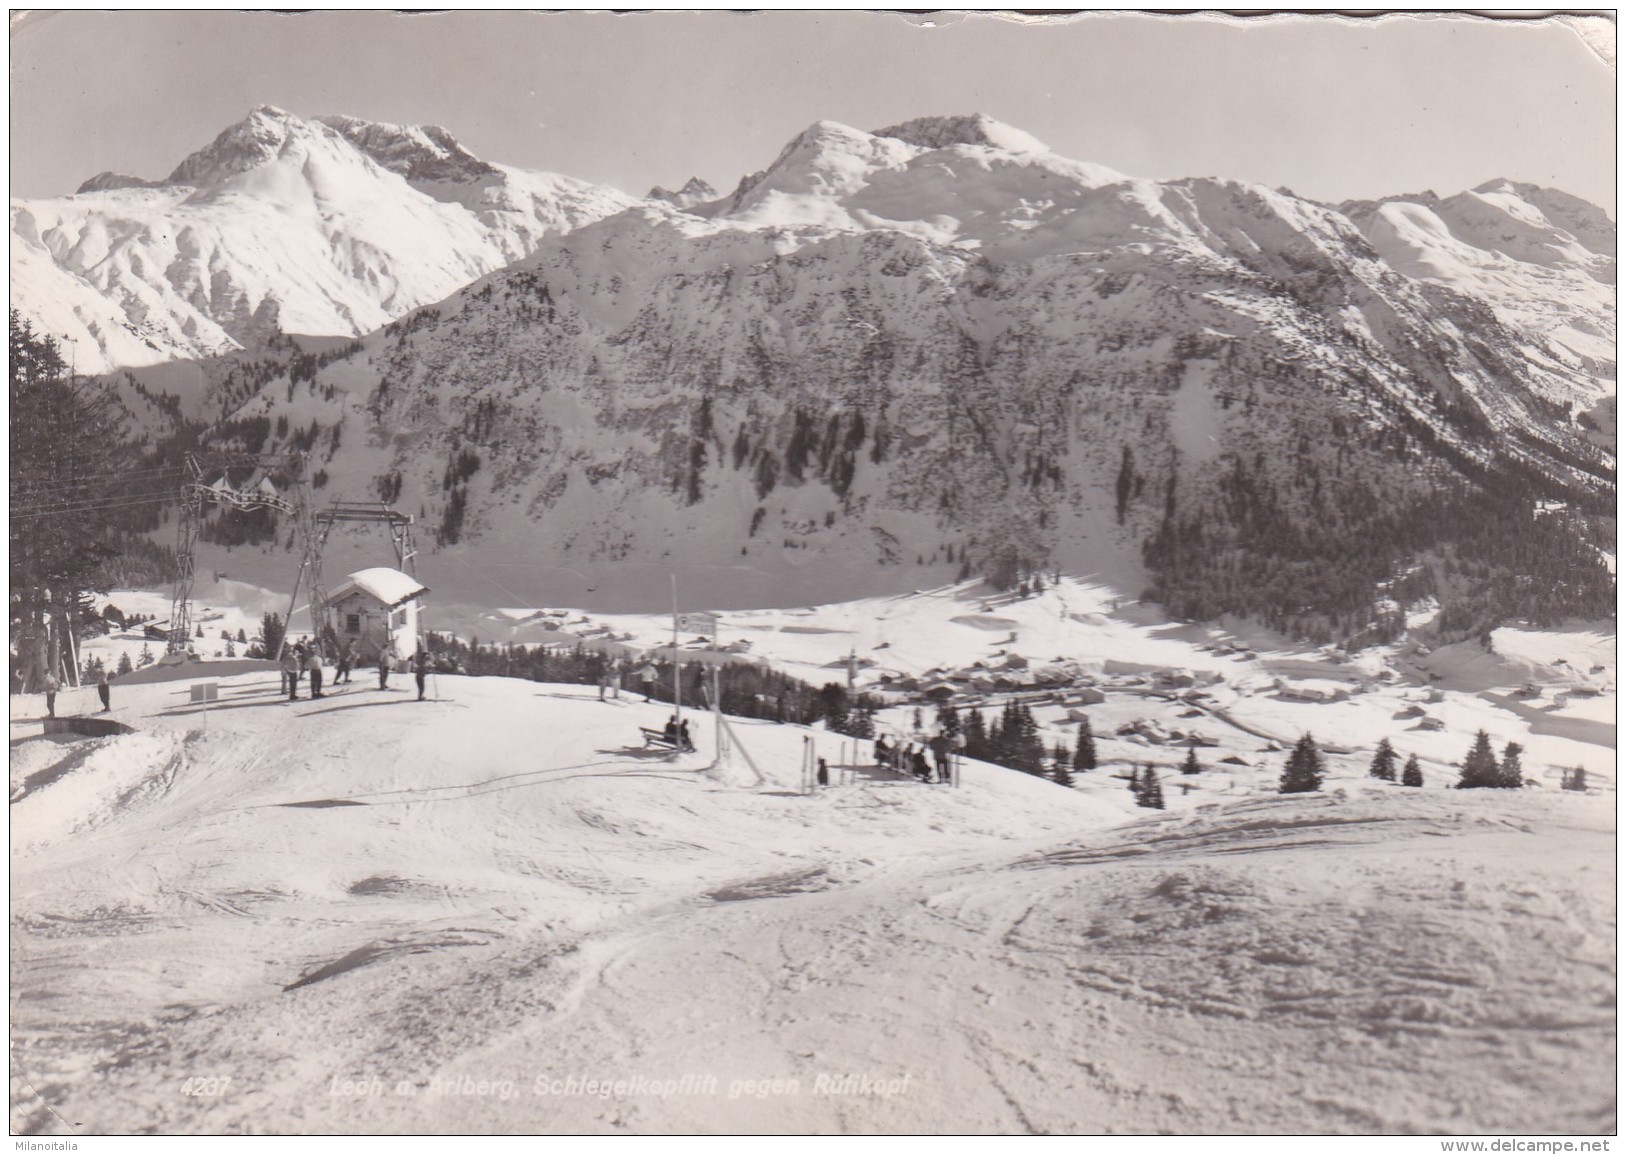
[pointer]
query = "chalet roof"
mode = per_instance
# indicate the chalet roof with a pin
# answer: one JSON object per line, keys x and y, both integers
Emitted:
{"x": 388, "y": 586}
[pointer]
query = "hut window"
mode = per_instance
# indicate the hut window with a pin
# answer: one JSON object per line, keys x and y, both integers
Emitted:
{"x": 352, "y": 623}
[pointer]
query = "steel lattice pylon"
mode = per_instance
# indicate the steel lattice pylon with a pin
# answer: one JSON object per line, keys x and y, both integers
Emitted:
{"x": 350, "y": 513}
{"x": 209, "y": 479}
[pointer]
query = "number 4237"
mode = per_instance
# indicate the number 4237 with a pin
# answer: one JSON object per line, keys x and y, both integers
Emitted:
{"x": 206, "y": 1085}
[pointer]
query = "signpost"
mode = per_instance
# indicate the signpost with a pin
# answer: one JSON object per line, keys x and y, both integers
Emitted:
{"x": 205, "y": 692}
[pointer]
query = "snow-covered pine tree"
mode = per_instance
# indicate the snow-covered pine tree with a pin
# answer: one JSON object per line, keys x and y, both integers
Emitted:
{"x": 1511, "y": 771}
{"x": 1575, "y": 779}
{"x": 124, "y": 666}
{"x": 1304, "y": 770}
{"x": 1480, "y": 768}
{"x": 1412, "y": 775}
{"x": 1191, "y": 765}
{"x": 1383, "y": 761}
{"x": 1084, "y": 752}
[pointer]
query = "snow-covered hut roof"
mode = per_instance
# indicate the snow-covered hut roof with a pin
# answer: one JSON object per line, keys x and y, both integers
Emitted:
{"x": 390, "y": 586}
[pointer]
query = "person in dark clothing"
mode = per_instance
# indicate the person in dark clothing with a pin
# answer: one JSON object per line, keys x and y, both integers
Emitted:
{"x": 883, "y": 752}
{"x": 922, "y": 768}
{"x": 824, "y": 773}
{"x": 670, "y": 732}
{"x": 347, "y": 658}
{"x": 420, "y": 669}
{"x": 940, "y": 755}
{"x": 386, "y": 659}
{"x": 51, "y": 687}
{"x": 314, "y": 664}
{"x": 105, "y": 692}
{"x": 684, "y": 736}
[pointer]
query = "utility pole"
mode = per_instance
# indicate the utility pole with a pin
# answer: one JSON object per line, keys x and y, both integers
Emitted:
{"x": 677, "y": 662}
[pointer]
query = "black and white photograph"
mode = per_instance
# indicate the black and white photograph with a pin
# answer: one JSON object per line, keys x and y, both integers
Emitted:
{"x": 951, "y": 573}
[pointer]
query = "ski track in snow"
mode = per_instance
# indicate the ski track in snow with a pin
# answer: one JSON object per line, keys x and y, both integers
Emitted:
{"x": 499, "y": 885}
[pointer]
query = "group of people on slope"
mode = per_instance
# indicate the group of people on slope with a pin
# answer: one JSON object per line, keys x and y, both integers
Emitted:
{"x": 300, "y": 658}
{"x": 53, "y": 686}
{"x": 909, "y": 758}
{"x": 677, "y": 733}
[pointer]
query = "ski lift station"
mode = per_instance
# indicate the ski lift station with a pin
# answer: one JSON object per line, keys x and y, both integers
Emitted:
{"x": 374, "y": 606}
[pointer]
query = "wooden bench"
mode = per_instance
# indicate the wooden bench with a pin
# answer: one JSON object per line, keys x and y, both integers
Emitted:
{"x": 656, "y": 738}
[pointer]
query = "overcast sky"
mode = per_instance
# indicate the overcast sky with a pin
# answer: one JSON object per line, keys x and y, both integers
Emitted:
{"x": 1330, "y": 107}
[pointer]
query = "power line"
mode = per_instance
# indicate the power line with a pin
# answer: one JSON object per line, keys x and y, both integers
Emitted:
{"x": 120, "y": 502}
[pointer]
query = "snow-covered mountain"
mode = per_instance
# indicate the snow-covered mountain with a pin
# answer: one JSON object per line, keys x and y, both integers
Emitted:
{"x": 281, "y": 225}
{"x": 1544, "y": 260}
{"x": 885, "y": 358}
{"x": 891, "y": 355}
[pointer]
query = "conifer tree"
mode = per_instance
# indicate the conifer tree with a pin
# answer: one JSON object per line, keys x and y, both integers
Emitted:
{"x": 66, "y": 449}
{"x": 1190, "y": 765}
{"x": 976, "y": 736}
{"x": 1511, "y": 771}
{"x": 1412, "y": 775}
{"x": 1304, "y": 770}
{"x": 1134, "y": 782}
{"x": 124, "y": 666}
{"x": 1575, "y": 779}
{"x": 1059, "y": 773}
{"x": 1027, "y": 746}
{"x": 1383, "y": 762}
{"x": 1480, "y": 768}
{"x": 1084, "y": 753}
{"x": 1151, "y": 790}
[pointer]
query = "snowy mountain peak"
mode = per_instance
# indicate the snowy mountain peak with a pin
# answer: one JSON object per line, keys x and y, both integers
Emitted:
{"x": 418, "y": 153}
{"x": 976, "y": 129}
{"x": 696, "y": 191}
{"x": 252, "y": 141}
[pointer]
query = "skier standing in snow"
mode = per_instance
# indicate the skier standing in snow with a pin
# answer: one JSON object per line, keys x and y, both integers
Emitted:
{"x": 647, "y": 677}
{"x": 940, "y": 755}
{"x": 105, "y": 692}
{"x": 290, "y": 672}
{"x": 347, "y": 658}
{"x": 314, "y": 665}
{"x": 420, "y": 669}
{"x": 386, "y": 658}
{"x": 823, "y": 774}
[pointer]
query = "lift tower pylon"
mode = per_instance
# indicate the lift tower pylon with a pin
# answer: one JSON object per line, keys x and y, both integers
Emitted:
{"x": 350, "y": 513}
{"x": 278, "y": 481}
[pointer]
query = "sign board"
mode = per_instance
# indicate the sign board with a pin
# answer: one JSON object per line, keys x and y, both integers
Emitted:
{"x": 697, "y": 623}
{"x": 205, "y": 691}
